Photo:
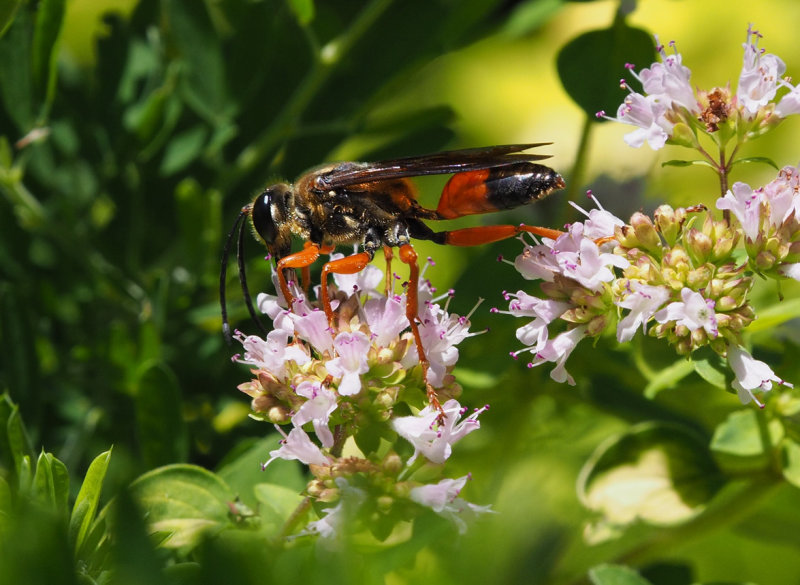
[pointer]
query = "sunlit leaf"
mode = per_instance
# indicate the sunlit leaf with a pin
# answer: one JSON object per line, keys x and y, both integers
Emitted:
{"x": 656, "y": 473}
{"x": 88, "y": 499}
{"x": 615, "y": 575}
{"x": 184, "y": 502}
{"x": 744, "y": 441}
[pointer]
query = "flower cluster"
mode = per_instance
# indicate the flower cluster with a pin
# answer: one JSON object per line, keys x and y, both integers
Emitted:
{"x": 358, "y": 387}
{"x": 671, "y": 111}
{"x": 674, "y": 276}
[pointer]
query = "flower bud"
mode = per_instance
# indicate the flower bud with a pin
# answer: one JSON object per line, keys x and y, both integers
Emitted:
{"x": 699, "y": 245}
{"x": 645, "y": 232}
{"x": 278, "y": 415}
{"x": 668, "y": 223}
{"x": 699, "y": 277}
{"x": 764, "y": 260}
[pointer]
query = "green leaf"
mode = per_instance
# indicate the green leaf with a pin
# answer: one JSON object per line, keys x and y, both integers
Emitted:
{"x": 85, "y": 508}
{"x": 591, "y": 65}
{"x": 49, "y": 21}
{"x": 243, "y": 473}
{"x": 756, "y": 159}
{"x": 18, "y": 444}
{"x": 685, "y": 163}
{"x": 182, "y": 150}
{"x": 16, "y": 84}
{"x": 668, "y": 377}
{"x": 790, "y": 452}
{"x": 159, "y": 419}
{"x": 8, "y": 10}
{"x": 185, "y": 502}
{"x": 276, "y": 505}
{"x": 744, "y": 441}
{"x": 657, "y": 473}
{"x": 775, "y": 315}
{"x": 51, "y": 483}
{"x": 204, "y": 84}
{"x": 18, "y": 358}
{"x": 615, "y": 575}
{"x": 710, "y": 370}
{"x": 303, "y": 11}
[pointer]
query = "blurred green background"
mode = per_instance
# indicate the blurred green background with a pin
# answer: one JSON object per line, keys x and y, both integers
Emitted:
{"x": 165, "y": 117}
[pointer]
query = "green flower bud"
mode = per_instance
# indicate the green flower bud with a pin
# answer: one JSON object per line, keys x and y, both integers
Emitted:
{"x": 699, "y": 245}
{"x": 668, "y": 222}
{"x": 645, "y": 232}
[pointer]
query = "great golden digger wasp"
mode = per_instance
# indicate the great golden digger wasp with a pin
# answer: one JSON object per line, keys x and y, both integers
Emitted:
{"x": 374, "y": 205}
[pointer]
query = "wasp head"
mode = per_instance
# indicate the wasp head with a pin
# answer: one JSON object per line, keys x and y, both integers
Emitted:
{"x": 270, "y": 217}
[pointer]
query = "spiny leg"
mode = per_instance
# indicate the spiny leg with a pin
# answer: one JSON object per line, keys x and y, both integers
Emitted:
{"x": 409, "y": 256}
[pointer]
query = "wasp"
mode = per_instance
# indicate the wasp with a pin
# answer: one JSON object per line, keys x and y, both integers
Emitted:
{"x": 374, "y": 205}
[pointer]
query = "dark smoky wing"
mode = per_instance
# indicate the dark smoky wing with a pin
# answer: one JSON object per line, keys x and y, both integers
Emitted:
{"x": 440, "y": 163}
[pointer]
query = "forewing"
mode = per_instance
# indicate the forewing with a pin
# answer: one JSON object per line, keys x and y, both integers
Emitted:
{"x": 450, "y": 161}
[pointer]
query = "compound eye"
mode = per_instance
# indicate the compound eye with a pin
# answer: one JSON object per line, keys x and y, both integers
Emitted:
{"x": 261, "y": 216}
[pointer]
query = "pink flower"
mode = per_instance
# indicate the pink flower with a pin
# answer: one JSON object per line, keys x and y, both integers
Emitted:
{"x": 694, "y": 312}
{"x": 761, "y": 73}
{"x": 433, "y": 440}
{"x": 440, "y": 332}
{"x": 745, "y": 205}
{"x": 668, "y": 81}
{"x": 386, "y": 317}
{"x": 272, "y": 353}
{"x": 352, "y": 350}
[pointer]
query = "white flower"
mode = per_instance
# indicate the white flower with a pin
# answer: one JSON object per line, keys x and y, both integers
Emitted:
{"x": 366, "y": 280}
{"x": 648, "y": 114}
{"x": 317, "y": 409}
{"x": 745, "y": 205}
{"x": 440, "y": 332}
{"x": 443, "y": 499}
{"x": 352, "y": 350}
{"x": 558, "y": 350}
{"x": 751, "y": 374}
{"x": 694, "y": 312}
{"x": 297, "y": 445}
{"x": 643, "y": 302}
{"x": 790, "y": 103}
{"x": 590, "y": 267}
{"x": 434, "y": 439}
{"x": 761, "y": 73}
{"x": 600, "y": 223}
{"x": 534, "y": 334}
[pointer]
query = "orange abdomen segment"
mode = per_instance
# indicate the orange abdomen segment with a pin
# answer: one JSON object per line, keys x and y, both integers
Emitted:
{"x": 504, "y": 187}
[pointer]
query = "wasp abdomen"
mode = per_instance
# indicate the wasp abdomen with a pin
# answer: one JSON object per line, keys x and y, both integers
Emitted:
{"x": 497, "y": 188}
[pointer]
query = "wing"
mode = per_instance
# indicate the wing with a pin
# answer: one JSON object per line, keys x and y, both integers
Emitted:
{"x": 450, "y": 161}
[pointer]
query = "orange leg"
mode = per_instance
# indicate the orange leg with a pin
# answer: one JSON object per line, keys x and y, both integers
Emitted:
{"x": 346, "y": 265}
{"x": 487, "y": 234}
{"x": 302, "y": 259}
{"x": 409, "y": 256}
{"x": 388, "y": 255}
